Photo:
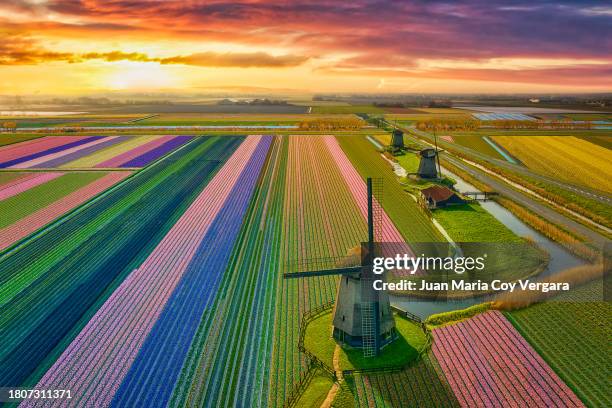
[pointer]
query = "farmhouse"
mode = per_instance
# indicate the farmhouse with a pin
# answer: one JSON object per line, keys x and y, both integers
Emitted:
{"x": 440, "y": 196}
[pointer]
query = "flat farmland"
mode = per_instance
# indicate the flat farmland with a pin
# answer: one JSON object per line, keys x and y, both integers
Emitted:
{"x": 339, "y": 109}
{"x": 474, "y": 142}
{"x": 571, "y": 332}
{"x": 72, "y": 120}
{"x": 415, "y": 117}
{"x": 566, "y": 157}
{"x": 74, "y": 152}
{"x": 421, "y": 385}
{"x": 232, "y": 119}
{"x": 33, "y": 200}
{"x": 487, "y": 363}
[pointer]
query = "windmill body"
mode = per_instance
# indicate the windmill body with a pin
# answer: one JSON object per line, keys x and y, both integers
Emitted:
{"x": 362, "y": 315}
{"x": 427, "y": 165}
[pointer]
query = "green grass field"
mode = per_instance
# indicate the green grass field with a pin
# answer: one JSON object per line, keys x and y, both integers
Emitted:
{"x": 16, "y": 207}
{"x": 476, "y": 142}
{"x": 409, "y": 161}
{"x": 420, "y": 385}
{"x": 319, "y": 341}
{"x": 572, "y": 333}
{"x": 14, "y": 138}
{"x": 316, "y": 391}
{"x": 471, "y": 223}
{"x": 589, "y": 116}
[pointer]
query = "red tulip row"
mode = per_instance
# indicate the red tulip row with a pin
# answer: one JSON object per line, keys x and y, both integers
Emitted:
{"x": 488, "y": 363}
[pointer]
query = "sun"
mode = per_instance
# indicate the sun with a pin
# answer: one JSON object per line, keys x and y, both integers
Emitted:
{"x": 140, "y": 75}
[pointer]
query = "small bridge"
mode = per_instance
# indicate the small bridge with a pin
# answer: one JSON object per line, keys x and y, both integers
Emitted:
{"x": 480, "y": 195}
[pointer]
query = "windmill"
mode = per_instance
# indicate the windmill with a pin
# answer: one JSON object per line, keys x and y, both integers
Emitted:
{"x": 362, "y": 315}
{"x": 397, "y": 139}
{"x": 427, "y": 164}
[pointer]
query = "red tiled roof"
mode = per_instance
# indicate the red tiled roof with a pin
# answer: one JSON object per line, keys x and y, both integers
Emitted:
{"x": 437, "y": 193}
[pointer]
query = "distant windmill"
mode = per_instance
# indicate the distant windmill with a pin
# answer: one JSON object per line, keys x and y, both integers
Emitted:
{"x": 397, "y": 139}
{"x": 427, "y": 165}
{"x": 362, "y": 315}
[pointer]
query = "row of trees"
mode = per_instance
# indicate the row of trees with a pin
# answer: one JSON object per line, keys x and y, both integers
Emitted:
{"x": 332, "y": 124}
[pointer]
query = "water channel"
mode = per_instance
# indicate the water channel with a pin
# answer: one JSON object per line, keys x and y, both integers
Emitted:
{"x": 560, "y": 258}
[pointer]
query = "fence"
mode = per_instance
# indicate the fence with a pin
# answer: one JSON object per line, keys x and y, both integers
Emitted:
{"x": 315, "y": 362}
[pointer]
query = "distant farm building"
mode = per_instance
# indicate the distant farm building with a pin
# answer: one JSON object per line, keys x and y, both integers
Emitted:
{"x": 440, "y": 196}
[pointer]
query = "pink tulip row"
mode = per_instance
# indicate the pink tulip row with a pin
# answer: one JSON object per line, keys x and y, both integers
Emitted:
{"x": 388, "y": 230}
{"x": 488, "y": 364}
{"x": 17, "y": 150}
{"x": 125, "y": 157}
{"x": 40, "y": 218}
{"x": 41, "y": 160}
{"x": 25, "y": 183}
{"x": 96, "y": 362}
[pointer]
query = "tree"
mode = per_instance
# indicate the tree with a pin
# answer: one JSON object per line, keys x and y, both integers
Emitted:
{"x": 9, "y": 126}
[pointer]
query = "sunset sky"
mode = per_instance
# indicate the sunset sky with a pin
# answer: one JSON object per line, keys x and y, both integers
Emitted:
{"x": 71, "y": 47}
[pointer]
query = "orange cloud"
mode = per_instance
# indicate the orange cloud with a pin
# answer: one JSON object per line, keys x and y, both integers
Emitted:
{"x": 242, "y": 60}
{"x": 22, "y": 51}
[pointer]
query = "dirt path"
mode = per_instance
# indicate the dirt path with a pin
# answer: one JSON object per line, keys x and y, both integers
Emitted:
{"x": 334, "y": 389}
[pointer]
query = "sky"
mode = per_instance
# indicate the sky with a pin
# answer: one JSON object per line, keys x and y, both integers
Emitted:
{"x": 484, "y": 46}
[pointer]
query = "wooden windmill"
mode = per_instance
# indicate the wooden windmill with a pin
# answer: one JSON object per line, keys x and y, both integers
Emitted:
{"x": 362, "y": 315}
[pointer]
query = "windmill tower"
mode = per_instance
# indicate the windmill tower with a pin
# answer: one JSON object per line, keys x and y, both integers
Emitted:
{"x": 397, "y": 139}
{"x": 427, "y": 165}
{"x": 362, "y": 315}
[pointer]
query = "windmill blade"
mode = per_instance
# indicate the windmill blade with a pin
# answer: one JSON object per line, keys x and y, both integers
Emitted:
{"x": 324, "y": 272}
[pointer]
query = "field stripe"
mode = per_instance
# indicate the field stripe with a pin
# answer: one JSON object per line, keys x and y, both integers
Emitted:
{"x": 17, "y": 150}
{"x": 56, "y": 282}
{"x": 85, "y": 151}
{"x": 26, "y": 183}
{"x": 153, "y": 154}
{"x": 108, "y": 153}
{"x": 125, "y": 157}
{"x": 50, "y": 150}
{"x": 39, "y": 161}
{"x": 40, "y": 218}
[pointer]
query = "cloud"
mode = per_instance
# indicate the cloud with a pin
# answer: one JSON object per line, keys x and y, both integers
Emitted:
{"x": 23, "y": 51}
{"x": 364, "y": 35}
{"x": 242, "y": 60}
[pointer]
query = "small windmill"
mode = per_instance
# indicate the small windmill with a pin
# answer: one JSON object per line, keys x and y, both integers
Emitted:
{"x": 362, "y": 315}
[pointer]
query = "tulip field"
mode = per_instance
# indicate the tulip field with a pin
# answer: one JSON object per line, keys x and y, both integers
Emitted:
{"x": 421, "y": 384}
{"x": 487, "y": 363}
{"x": 88, "y": 151}
{"x": 148, "y": 271}
{"x": 33, "y": 200}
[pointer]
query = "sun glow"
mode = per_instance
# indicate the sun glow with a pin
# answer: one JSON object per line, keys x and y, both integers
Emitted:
{"x": 140, "y": 75}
